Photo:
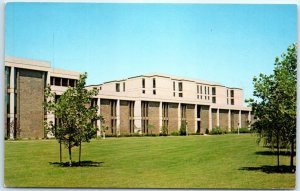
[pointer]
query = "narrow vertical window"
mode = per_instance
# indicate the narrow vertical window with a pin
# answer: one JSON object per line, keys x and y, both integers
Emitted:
{"x": 180, "y": 86}
{"x": 143, "y": 83}
{"x": 173, "y": 86}
{"x": 117, "y": 87}
{"x": 154, "y": 83}
{"x": 123, "y": 86}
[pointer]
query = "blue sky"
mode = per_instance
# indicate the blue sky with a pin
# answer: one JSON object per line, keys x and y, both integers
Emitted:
{"x": 223, "y": 43}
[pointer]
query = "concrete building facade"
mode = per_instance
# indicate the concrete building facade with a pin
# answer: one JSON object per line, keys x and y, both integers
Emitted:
{"x": 132, "y": 105}
{"x": 128, "y": 106}
{"x": 25, "y": 82}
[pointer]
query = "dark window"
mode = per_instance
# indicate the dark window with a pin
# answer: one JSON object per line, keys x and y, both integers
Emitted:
{"x": 180, "y": 86}
{"x": 205, "y": 89}
{"x": 64, "y": 82}
{"x": 173, "y": 86}
{"x": 200, "y": 89}
{"x": 227, "y": 93}
{"x": 174, "y": 94}
{"x": 71, "y": 82}
{"x": 213, "y": 91}
{"x": 51, "y": 80}
{"x": 214, "y": 99}
{"x": 232, "y": 93}
{"x": 197, "y": 96}
{"x": 123, "y": 86}
{"x": 154, "y": 83}
{"x": 57, "y": 81}
{"x": 144, "y": 91}
{"x": 180, "y": 95}
{"x": 8, "y": 102}
{"x": 208, "y": 90}
{"x": 117, "y": 87}
{"x": 143, "y": 83}
{"x": 232, "y": 101}
{"x": 7, "y": 73}
{"x": 197, "y": 89}
{"x": 154, "y": 92}
{"x": 100, "y": 88}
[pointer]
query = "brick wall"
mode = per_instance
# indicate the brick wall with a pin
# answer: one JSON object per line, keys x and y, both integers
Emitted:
{"x": 124, "y": 117}
{"x": 173, "y": 117}
{"x": 223, "y": 119}
{"x": 214, "y": 118}
{"x": 204, "y": 115}
{"x": 234, "y": 119}
{"x": 153, "y": 116}
{"x": 105, "y": 111}
{"x": 244, "y": 118}
{"x": 190, "y": 118}
{"x": 30, "y": 98}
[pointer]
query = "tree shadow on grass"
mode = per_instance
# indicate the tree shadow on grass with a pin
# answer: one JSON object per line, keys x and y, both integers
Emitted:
{"x": 283, "y": 169}
{"x": 76, "y": 164}
{"x": 288, "y": 153}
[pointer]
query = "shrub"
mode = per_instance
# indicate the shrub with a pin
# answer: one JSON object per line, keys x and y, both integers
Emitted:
{"x": 216, "y": 131}
{"x": 164, "y": 131}
{"x": 244, "y": 130}
{"x": 206, "y": 131}
{"x": 182, "y": 130}
{"x": 174, "y": 133}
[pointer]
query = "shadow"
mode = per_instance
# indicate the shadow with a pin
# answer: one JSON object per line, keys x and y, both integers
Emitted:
{"x": 287, "y": 153}
{"x": 271, "y": 169}
{"x": 76, "y": 164}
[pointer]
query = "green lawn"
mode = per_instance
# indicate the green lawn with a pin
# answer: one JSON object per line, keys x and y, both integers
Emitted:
{"x": 224, "y": 161}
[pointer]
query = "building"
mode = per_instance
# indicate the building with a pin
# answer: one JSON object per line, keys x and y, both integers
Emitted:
{"x": 131, "y": 105}
{"x": 128, "y": 106}
{"x": 25, "y": 81}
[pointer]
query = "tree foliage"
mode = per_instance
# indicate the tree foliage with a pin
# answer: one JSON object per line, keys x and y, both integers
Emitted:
{"x": 76, "y": 115}
{"x": 275, "y": 106}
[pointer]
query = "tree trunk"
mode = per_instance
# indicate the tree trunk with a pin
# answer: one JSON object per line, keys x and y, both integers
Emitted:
{"x": 70, "y": 155}
{"x": 60, "y": 155}
{"x": 79, "y": 152}
{"x": 277, "y": 151}
{"x": 292, "y": 156}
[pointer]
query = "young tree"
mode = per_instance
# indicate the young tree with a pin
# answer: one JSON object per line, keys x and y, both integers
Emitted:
{"x": 76, "y": 115}
{"x": 275, "y": 108}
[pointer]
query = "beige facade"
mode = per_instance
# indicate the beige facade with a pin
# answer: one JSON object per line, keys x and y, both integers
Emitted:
{"x": 131, "y": 105}
{"x": 163, "y": 100}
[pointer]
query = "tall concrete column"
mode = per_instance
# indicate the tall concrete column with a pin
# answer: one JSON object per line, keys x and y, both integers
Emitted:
{"x": 240, "y": 119}
{"x": 48, "y": 79}
{"x": 209, "y": 119}
{"x": 99, "y": 121}
{"x": 218, "y": 117}
{"x": 12, "y": 103}
{"x": 118, "y": 117}
{"x": 179, "y": 115}
{"x": 195, "y": 116}
{"x": 138, "y": 116}
{"x": 160, "y": 116}
{"x": 229, "y": 120}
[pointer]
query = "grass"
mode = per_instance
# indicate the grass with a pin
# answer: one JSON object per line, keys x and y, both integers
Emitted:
{"x": 221, "y": 161}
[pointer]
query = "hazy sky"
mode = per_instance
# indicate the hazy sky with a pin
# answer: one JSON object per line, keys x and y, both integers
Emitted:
{"x": 228, "y": 44}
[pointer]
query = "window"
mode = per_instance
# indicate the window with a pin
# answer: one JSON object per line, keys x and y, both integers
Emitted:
{"x": 214, "y": 99}
{"x": 51, "y": 80}
{"x": 180, "y": 86}
{"x": 231, "y": 93}
{"x": 213, "y": 91}
{"x": 143, "y": 83}
{"x": 200, "y": 89}
{"x": 71, "y": 82}
{"x": 197, "y": 89}
{"x": 64, "y": 82}
{"x": 154, "y": 92}
{"x": 180, "y": 95}
{"x": 117, "y": 87}
{"x": 208, "y": 90}
{"x": 173, "y": 86}
{"x": 123, "y": 86}
{"x": 232, "y": 101}
{"x": 174, "y": 94}
{"x": 197, "y": 96}
{"x": 205, "y": 89}
{"x": 154, "y": 83}
{"x": 144, "y": 91}
{"x": 57, "y": 81}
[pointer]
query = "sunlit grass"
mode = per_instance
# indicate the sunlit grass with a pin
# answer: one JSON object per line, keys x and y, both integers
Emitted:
{"x": 225, "y": 161}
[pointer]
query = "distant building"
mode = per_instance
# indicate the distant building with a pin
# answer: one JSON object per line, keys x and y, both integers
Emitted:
{"x": 128, "y": 106}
